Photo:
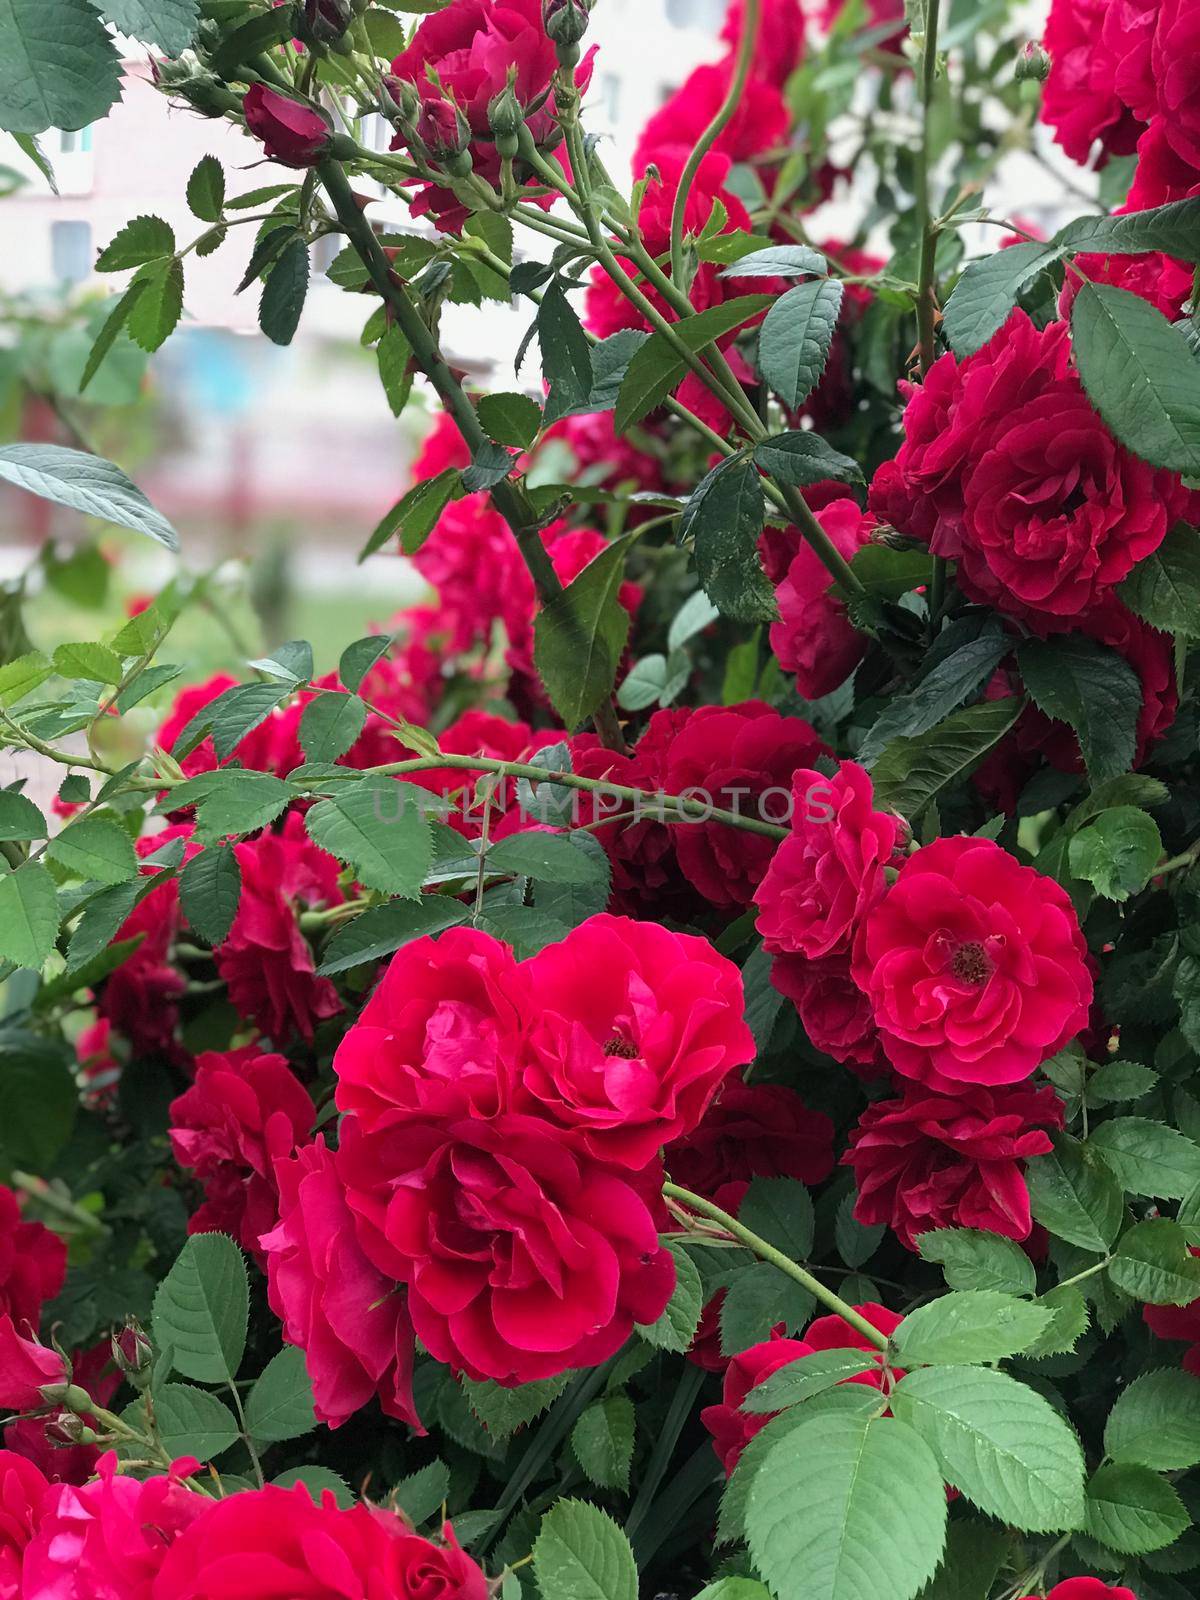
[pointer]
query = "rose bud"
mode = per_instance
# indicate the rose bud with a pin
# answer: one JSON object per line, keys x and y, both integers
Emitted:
{"x": 565, "y": 22}
{"x": 1033, "y": 63}
{"x": 133, "y": 1353}
{"x": 68, "y": 1429}
{"x": 325, "y": 21}
{"x": 445, "y": 133}
{"x": 506, "y": 119}
{"x": 291, "y": 132}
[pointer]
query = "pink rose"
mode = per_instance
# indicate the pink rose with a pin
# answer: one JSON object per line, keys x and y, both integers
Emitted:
{"x": 634, "y": 1030}
{"x": 33, "y": 1263}
{"x": 753, "y": 1130}
{"x": 441, "y": 1033}
{"x": 24, "y": 1367}
{"x": 1087, "y": 1589}
{"x": 814, "y": 638}
{"x": 22, "y": 1492}
{"x": 523, "y": 1257}
{"x": 277, "y": 1544}
{"x": 244, "y": 1111}
{"x": 930, "y": 1160}
{"x": 291, "y": 132}
{"x": 975, "y": 966}
{"x": 829, "y": 872}
{"x": 350, "y": 1320}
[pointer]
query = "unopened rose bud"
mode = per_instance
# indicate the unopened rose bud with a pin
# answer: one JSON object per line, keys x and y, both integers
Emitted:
{"x": 68, "y": 1429}
{"x": 324, "y": 21}
{"x": 291, "y": 132}
{"x": 1033, "y": 63}
{"x": 506, "y": 119}
{"x": 407, "y": 101}
{"x": 69, "y": 1395}
{"x": 132, "y": 1352}
{"x": 445, "y": 133}
{"x": 565, "y": 22}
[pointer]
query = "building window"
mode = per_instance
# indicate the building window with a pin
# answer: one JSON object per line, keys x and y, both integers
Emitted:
{"x": 608, "y": 88}
{"x": 74, "y": 141}
{"x": 704, "y": 16}
{"x": 71, "y": 251}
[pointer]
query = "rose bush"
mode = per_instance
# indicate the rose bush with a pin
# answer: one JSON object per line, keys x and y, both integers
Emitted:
{"x": 672, "y": 1068}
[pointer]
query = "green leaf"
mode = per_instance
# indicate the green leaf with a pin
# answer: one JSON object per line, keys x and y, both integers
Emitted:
{"x": 1174, "y": 229}
{"x": 192, "y": 1422}
{"x": 383, "y": 929}
{"x": 1152, "y": 1264}
{"x": 602, "y": 1441}
{"x": 38, "y": 1098}
{"x": 201, "y": 1307}
{"x": 1133, "y": 1510}
{"x": 1117, "y": 853}
{"x": 998, "y": 1442}
{"x": 891, "y": 574}
{"x": 104, "y": 914}
{"x": 58, "y": 66}
{"x": 566, "y": 354}
{"x": 317, "y": 1480}
{"x": 956, "y": 677}
{"x": 28, "y": 915}
{"x": 724, "y": 518}
{"x": 756, "y": 1301}
{"x": 19, "y": 817}
{"x": 415, "y": 514}
{"x": 580, "y": 634}
{"x": 206, "y": 189}
{"x": 800, "y": 458}
{"x": 386, "y": 35}
{"x": 284, "y": 294}
{"x": 84, "y": 483}
{"x": 779, "y": 261}
{"x": 874, "y": 1510}
{"x": 1139, "y": 374}
{"x": 512, "y": 419}
{"x": 155, "y": 314}
{"x": 502, "y": 1410}
{"x": 1156, "y": 1422}
{"x": 95, "y": 848}
{"x": 655, "y": 369}
{"x": 1092, "y": 689}
{"x": 1119, "y": 1080}
{"x": 913, "y": 771}
{"x": 1164, "y": 588}
{"x": 734, "y": 1589}
{"x": 973, "y": 1259}
{"x": 987, "y": 292}
{"x": 140, "y": 241}
{"x": 170, "y": 24}
{"x": 676, "y": 1327}
{"x": 394, "y": 355}
{"x": 548, "y": 856}
{"x": 94, "y": 662}
{"x": 969, "y": 1326}
{"x": 581, "y": 1554}
{"x": 1074, "y": 1196}
{"x": 378, "y": 829}
{"x": 330, "y": 724}
{"x": 974, "y": 1555}
{"x": 358, "y": 659}
{"x": 805, "y": 1377}
{"x": 780, "y": 1210}
{"x": 233, "y": 801}
{"x": 280, "y": 1405}
{"x": 210, "y": 887}
{"x": 490, "y": 465}
{"x": 793, "y": 343}
{"x": 21, "y": 677}
{"x": 423, "y": 1492}
{"x": 245, "y": 41}
{"x": 1069, "y": 1318}
{"x": 1148, "y": 1158}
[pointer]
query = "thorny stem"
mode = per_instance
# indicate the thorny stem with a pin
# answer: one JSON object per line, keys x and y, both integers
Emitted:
{"x": 768, "y": 1252}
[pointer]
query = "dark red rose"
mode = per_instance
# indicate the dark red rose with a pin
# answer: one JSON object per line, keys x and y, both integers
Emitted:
{"x": 292, "y": 133}
{"x": 244, "y": 1111}
{"x": 265, "y": 960}
{"x": 634, "y": 1029}
{"x": 349, "y": 1319}
{"x": 975, "y": 966}
{"x": 929, "y": 1160}
{"x": 834, "y": 1012}
{"x": 753, "y": 1130}
{"x": 732, "y": 1428}
{"x": 1098, "y": 50}
{"x": 1175, "y": 73}
{"x": 1162, "y": 174}
{"x": 739, "y": 758}
{"x": 814, "y": 638}
{"x": 33, "y": 1264}
{"x": 1086, "y": 1589}
{"x": 523, "y": 1257}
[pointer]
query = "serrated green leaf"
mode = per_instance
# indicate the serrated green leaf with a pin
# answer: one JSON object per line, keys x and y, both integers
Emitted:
{"x": 378, "y": 829}
{"x": 284, "y": 294}
{"x": 780, "y": 1210}
{"x": 511, "y": 419}
{"x": 548, "y": 856}
{"x": 423, "y": 1492}
{"x": 192, "y": 1422}
{"x": 958, "y": 676}
{"x": 676, "y": 1327}
{"x": 235, "y": 801}
{"x": 1117, "y": 852}
{"x": 566, "y": 354}
{"x": 210, "y": 887}
{"x": 723, "y": 519}
{"x": 280, "y": 1405}
{"x": 580, "y": 634}
{"x": 206, "y": 189}
{"x": 84, "y": 483}
{"x": 802, "y": 458}
{"x": 58, "y": 66}
{"x": 415, "y": 514}
{"x": 998, "y": 1442}
{"x": 602, "y": 1441}
{"x": 581, "y": 1554}
{"x": 1133, "y": 1510}
{"x": 986, "y": 293}
{"x": 201, "y": 1307}
{"x": 1092, "y": 689}
{"x": 155, "y": 314}
{"x": 1075, "y": 1196}
{"x": 383, "y": 929}
{"x": 358, "y": 658}
{"x": 330, "y": 724}
{"x": 1152, "y": 1263}
{"x": 973, "y": 1259}
{"x": 969, "y": 1326}
{"x": 1148, "y": 1158}
{"x": 318, "y": 1481}
{"x": 19, "y": 817}
{"x": 793, "y": 343}
{"x": 1155, "y": 1422}
{"x": 913, "y": 771}
{"x": 1164, "y": 588}
{"x": 95, "y": 848}
{"x": 805, "y": 1377}
{"x": 655, "y": 369}
{"x": 28, "y": 915}
{"x": 140, "y": 241}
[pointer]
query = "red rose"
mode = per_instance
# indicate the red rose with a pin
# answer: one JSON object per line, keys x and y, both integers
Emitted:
{"x": 929, "y": 1160}
{"x": 1178, "y": 1322}
{"x": 814, "y": 638}
{"x": 25, "y": 1366}
{"x": 835, "y": 1333}
{"x": 465, "y": 54}
{"x": 779, "y": 49}
{"x": 1086, "y": 1589}
{"x": 350, "y": 1321}
{"x": 1163, "y": 282}
{"x": 1096, "y": 47}
{"x": 523, "y": 1257}
{"x": 635, "y": 1029}
{"x": 753, "y": 1130}
{"x": 829, "y": 872}
{"x": 107, "y": 1540}
{"x": 440, "y": 1034}
{"x": 736, "y": 758}
{"x": 33, "y": 1263}
{"x": 276, "y": 1544}
{"x": 273, "y": 746}
{"x": 292, "y": 133}
{"x": 759, "y": 123}
{"x": 22, "y": 1491}
{"x": 442, "y": 448}
{"x": 1010, "y": 471}
{"x": 92, "y": 1370}
{"x": 244, "y": 1111}
{"x": 975, "y": 966}
{"x": 265, "y": 960}
{"x": 1175, "y": 73}
{"x": 834, "y": 1012}
{"x": 1162, "y": 174}
{"x": 607, "y": 458}
{"x": 732, "y": 1428}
